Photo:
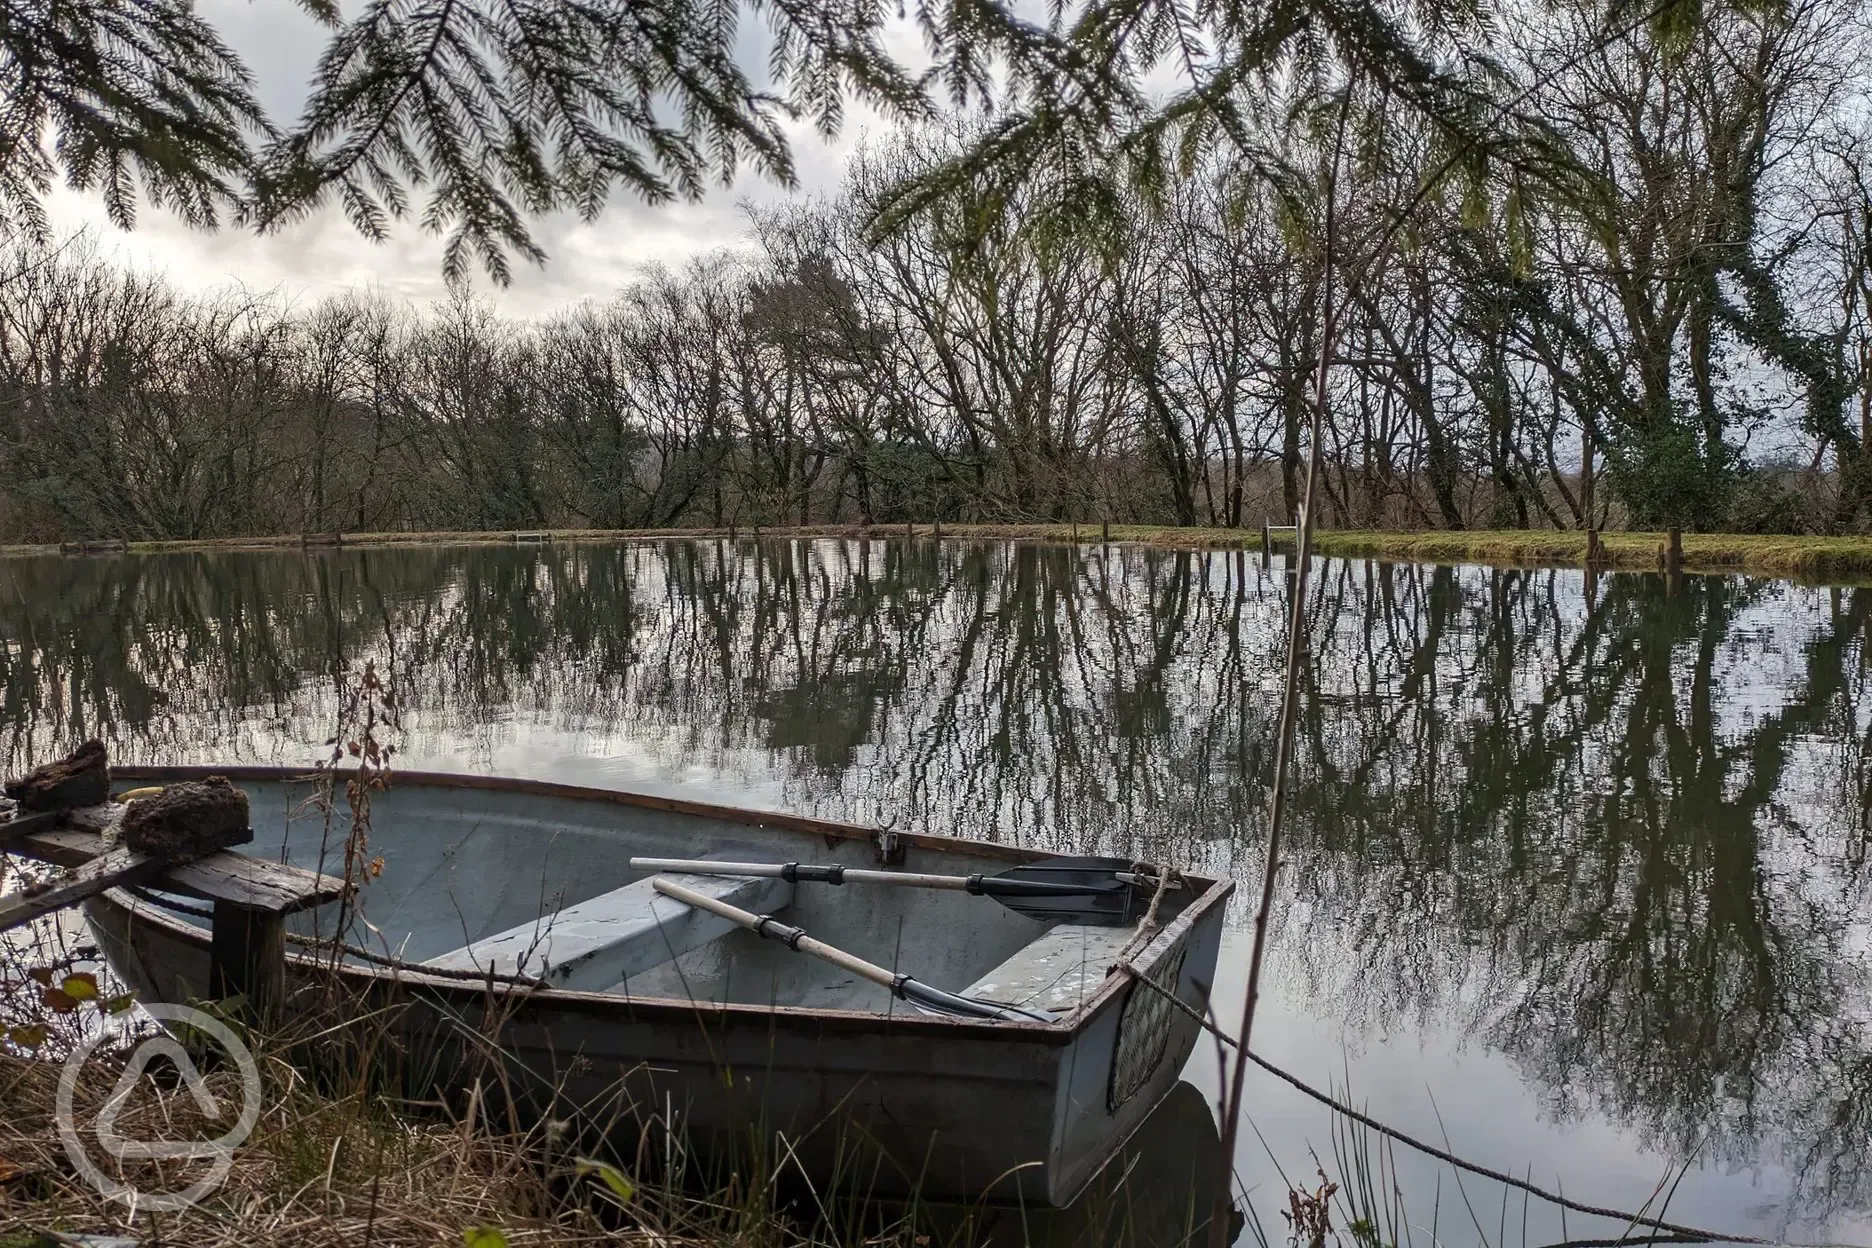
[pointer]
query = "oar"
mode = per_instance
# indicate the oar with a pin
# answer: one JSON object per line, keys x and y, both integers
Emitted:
{"x": 901, "y": 986}
{"x": 1101, "y": 891}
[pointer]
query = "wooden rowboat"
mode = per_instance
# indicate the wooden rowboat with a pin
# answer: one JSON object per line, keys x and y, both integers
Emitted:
{"x": 735, "y": 1041}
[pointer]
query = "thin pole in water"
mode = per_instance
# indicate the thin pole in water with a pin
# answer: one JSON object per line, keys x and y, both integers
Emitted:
{"x": 1290, "y": 700}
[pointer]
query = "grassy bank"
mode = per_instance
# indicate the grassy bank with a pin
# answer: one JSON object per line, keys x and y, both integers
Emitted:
{"x": 315, "y": 1172}
{"x": 325, "y": 1170}
{"x": 1801, "y": 558}
{"x": 1798, "y": 558}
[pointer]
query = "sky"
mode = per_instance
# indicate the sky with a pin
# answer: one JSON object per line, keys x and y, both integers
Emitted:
{"x": 324, "y": 255}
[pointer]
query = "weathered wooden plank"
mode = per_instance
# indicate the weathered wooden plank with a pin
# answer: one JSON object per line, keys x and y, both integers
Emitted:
{"x": 24, "y": 825}
{"x": 226, "y": 876}
{"x": 119, "y": 866}
{"x": 247, "y": 957}
{"x": 602, "y": 942}
{"x": 272, "y": 887}
{"x": 61, "y": 846}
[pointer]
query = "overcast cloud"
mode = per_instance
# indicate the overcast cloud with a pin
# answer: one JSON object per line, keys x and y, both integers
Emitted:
{"x": 324, "y": 255}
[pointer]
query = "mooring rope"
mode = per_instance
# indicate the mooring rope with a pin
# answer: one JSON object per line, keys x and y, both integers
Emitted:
{"x": 1148, "y": 926}
{"x": 1690, "y": 1233}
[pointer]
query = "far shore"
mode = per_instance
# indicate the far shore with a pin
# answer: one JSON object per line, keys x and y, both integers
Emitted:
{"x": 1823, "y": 559}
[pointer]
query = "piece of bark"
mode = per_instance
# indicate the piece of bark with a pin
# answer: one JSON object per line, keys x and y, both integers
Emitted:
{"x": 83, "y": 779}
{"x": 187, "y": 820}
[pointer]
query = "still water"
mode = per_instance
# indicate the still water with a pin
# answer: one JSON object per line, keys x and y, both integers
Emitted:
{"x": 1577, "y": 877}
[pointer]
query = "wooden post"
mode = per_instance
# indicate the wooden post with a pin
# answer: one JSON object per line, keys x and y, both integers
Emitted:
{"x": 939, "y": 530}
{"x": 247, "y": 957}
{"x": 1267, "y": 546}
{"x": 1673, "y": 552}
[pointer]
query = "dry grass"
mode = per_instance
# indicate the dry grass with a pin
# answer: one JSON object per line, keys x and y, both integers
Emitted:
{"x": 1842, "y": 559}
{"x": 342, "y": 1162}
{"x": 315, "y": 1172}
{"x": 325, "y": 1167}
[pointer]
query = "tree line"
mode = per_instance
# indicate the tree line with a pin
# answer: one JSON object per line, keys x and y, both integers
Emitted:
{"x": 1674, "y": 329}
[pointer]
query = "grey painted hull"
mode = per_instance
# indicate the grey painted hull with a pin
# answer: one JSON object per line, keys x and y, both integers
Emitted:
{"x": 748, "y": 1050}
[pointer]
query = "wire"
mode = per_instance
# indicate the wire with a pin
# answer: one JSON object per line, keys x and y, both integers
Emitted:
{"x": 1687, "y": 1233}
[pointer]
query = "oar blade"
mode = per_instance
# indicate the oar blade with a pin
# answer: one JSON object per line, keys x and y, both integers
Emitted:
{"x": 1070, "y": 890}
{"x": 932, "y": 1000}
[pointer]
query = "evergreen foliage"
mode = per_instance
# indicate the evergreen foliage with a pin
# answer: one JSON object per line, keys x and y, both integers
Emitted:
{"x": 475, "y": 116}
{"x": 110, "y": 93}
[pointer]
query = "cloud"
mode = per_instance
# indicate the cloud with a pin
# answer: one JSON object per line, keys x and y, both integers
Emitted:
{"x": 323, "y": 255}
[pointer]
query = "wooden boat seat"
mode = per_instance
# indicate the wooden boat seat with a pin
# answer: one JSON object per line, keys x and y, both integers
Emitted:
{"x": 602, "y": 942}
{"x": 1059, "y": 971}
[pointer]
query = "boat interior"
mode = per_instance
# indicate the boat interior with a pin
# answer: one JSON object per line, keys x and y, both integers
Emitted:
{"x": 519, "y": 881}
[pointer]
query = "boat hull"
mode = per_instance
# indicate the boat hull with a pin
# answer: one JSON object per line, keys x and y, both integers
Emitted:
{"x": 894, "y": 1103}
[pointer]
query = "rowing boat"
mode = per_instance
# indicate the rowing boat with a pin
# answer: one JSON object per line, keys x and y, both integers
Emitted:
{"x": 506, "y": 918}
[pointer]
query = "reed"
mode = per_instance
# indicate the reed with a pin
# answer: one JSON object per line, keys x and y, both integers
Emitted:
{"x": 318, "y": 1170}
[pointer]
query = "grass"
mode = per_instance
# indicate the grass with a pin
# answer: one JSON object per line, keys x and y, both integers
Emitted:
{"x": 1836, "y": 559}
{"x": 355, "y": 1168}
{"x": 1798, "y": 558}
{"x": 316, "y": 1171}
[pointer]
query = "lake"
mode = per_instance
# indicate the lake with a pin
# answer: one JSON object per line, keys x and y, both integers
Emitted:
{"x": 1576, "y": 881}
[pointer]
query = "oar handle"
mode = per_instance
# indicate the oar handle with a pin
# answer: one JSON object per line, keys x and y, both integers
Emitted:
{"x": 770, "y": 928}
{"x": 900, "y": 986}
{"x": 795, "y": 872}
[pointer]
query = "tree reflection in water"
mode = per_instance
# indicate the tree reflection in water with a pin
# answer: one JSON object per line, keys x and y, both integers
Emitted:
{"x": 1617, "y": 829}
